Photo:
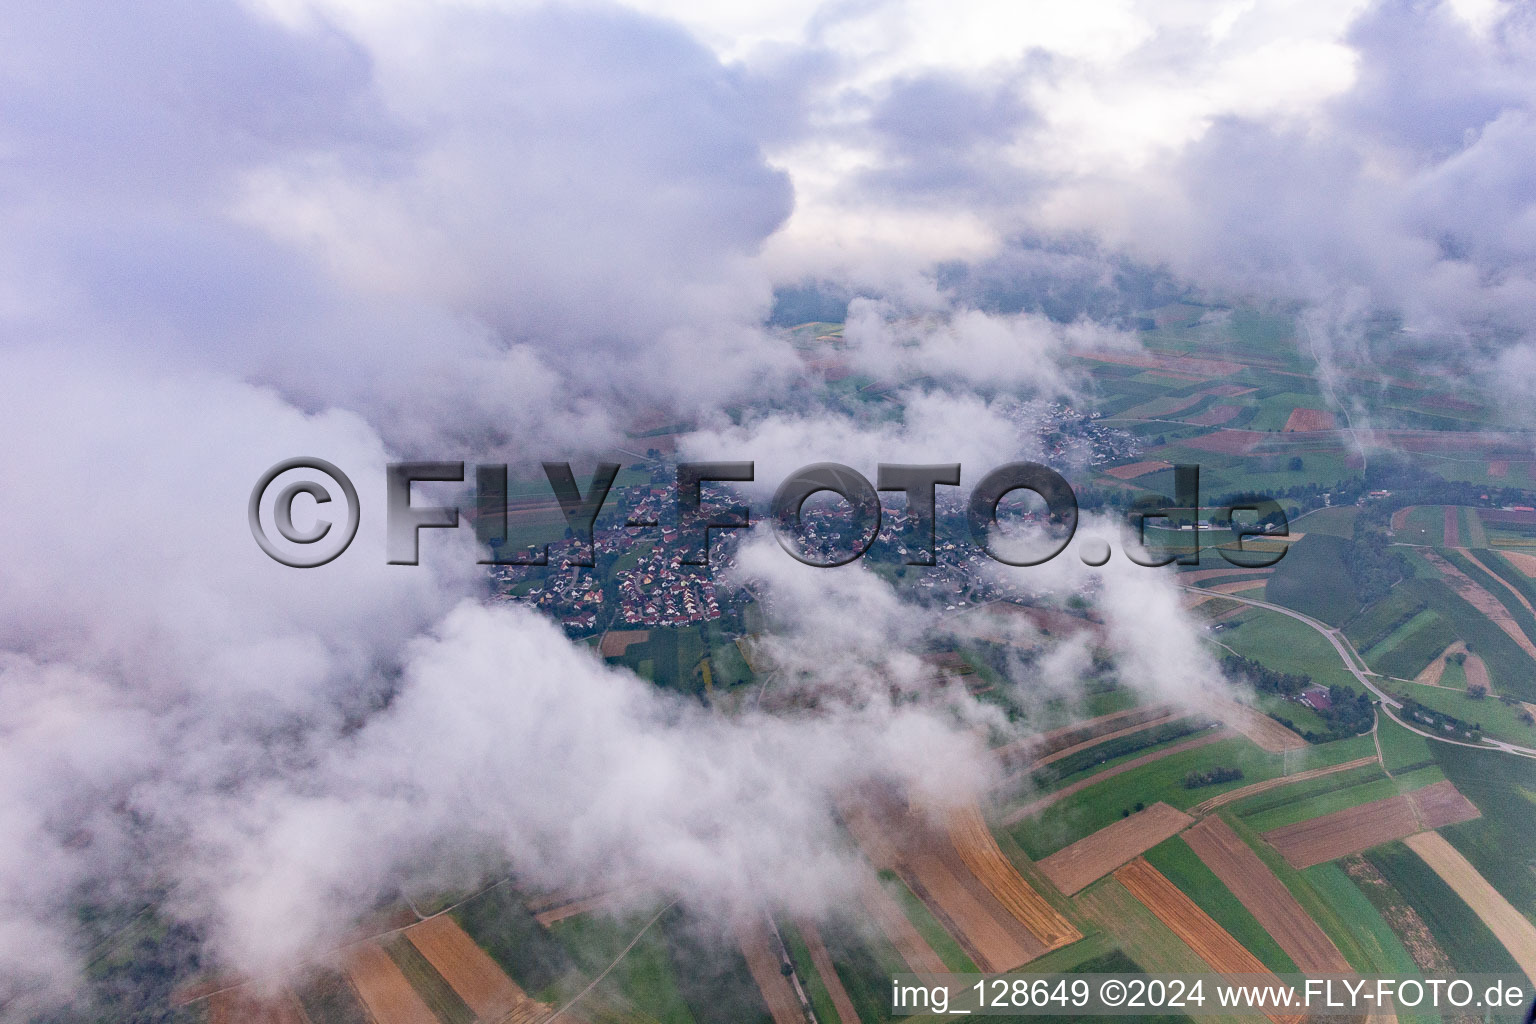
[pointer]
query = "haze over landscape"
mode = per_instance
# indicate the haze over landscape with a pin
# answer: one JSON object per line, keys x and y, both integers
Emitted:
{"x": 1293, "y": 244}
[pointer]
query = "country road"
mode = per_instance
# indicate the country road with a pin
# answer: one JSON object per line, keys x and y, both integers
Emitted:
{"x": 1361, "y": 671}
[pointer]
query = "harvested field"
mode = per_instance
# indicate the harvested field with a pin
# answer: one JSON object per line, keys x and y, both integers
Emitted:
{"x": 1232, "y": 795}
{"x": 1210, "y": 941}
{"x": 1442, "y": 804}
{"x": 986, "y": 938}
{"x": 470, "y": 972}
{"x": 822, "y": 961}
{"x": 1522, "y": 561}
{"x": 1452, "y": 528}
{"x": 384, "y": 989}
{"x": 1356, "y": 829}
{"x": 1036, "y": 806}
{"x": 616, "y": 641}
{"x": 761, "y": 953}
{"x": 978, "y": 848}
{"x": 1133, "y": 470}
{"x": 1309, "y": 419}
{"x": 1432, "y": 672}
{"x": 978, "y": 898}
{"x": 1145, "y": 938}
{"x": 1498, "y": 468}
{"x": 1266, "y": 897}
{"x": 1508, "y": 925}
{"x": 1264, "y": 731}
{"x": 1089, "y": 859}
{"x": 1478, "y": 597}
{"x": 238, "y": 1006}
{"x": 1239, "y": 586}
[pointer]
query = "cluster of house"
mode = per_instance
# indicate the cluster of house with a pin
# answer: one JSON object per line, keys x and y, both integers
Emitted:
{"x": 661, "y": 592}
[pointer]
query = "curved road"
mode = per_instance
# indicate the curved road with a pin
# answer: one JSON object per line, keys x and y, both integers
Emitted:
{"x": 1354, "y": 663}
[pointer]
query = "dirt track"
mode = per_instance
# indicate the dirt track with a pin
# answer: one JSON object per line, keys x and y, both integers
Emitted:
{"x": 1087, "y": 860}
{"x": 1508, "y": 925}
{"x": 1266, "y": 897}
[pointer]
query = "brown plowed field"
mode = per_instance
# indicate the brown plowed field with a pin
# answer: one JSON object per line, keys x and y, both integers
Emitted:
{"x": 1207, "y": 806}
{"x": 1356, "y": 829}
{"x": 1264, "y": 731}
{"x": 1341, "y": 833}
{"x": 1091, "y": 858}
{"x": 468, "y": 970}
{"x": 1226, "y": 442}
{"x": 1452, "y": 528}
{"x": 1309, "y": 419}
{"x": 1442, "y": 804}
{"x": 1036, "y": 806}
{"x": 1476, "y": 671}
{"x": 1194, "y": 926}
{"x": 1132, "y": 470}
{"x": 822, "y": 961}
{"x": 1474, "y": 594}
{"x": 758, "y": 947}
{"x": 978, "y": 848}
{"x": 384, "y": 990}
{"x": 237, "y": 1006}
{"x": 1266, "y": 897}
{"x": 1508, "y": 925}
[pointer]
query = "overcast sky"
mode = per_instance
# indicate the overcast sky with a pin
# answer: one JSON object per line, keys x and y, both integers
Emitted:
{"x": 231, "y": 233}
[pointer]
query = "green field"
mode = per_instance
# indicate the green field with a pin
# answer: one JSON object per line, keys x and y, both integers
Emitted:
{"x": 644, "y": 977}
{"x": 1282, "y": 643}
{"x": 815, "y": 987}
{"x": 1456, "y": 928}
{"x": 1496, "y": 718}
{"x": 1318, "y": 804}
{"x": 1401, "y": 749}
{"x": 1333, "y": 522}
{"x": 1310, "y": 580}
{"x": 1499, "y": 842}
{"x": 1304, "y": 790}
{"x": 502, "y": 925}
{"x": 1103, "y": 803}
{"x": 1413, "y": 645}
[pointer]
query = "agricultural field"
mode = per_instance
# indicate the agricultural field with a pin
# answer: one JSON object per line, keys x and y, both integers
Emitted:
{"x": 1362, "y": 826}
